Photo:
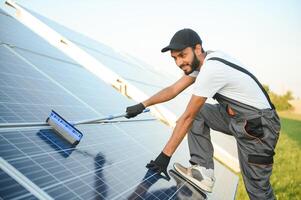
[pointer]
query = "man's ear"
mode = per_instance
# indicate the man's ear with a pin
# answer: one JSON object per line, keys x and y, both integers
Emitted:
{"x": 198, "y": 49}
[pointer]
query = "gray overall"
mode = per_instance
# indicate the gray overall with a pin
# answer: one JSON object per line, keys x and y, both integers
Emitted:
{"x": 256, "y": 132}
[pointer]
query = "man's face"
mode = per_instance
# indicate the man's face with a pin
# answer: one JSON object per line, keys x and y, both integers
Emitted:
{"x": 186, "y": 60}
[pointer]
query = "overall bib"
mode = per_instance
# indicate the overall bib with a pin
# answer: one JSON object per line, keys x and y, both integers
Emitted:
{"x": 255, "y": 130}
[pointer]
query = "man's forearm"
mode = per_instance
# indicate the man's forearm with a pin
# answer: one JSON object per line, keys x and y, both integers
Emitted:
{"x": 179, "y": 132}
{"x": 170, "y": 92}
{"x": 164, "y": 95}
{"x": 184, "y": 124}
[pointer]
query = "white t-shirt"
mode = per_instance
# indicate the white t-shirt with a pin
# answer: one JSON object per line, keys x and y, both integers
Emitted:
{"x": 216, "y": 77}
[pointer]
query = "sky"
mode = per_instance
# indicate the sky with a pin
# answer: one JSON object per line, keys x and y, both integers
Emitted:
{"x": 264, "y": 35}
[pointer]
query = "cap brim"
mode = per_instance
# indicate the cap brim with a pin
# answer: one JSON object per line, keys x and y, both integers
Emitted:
{"x": 173, "y": 47}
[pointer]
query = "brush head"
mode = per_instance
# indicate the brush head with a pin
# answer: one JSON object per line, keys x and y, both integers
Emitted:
{"x": 63, "y": 128}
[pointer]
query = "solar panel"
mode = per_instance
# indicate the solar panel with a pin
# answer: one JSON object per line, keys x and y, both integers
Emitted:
{"x": 109, "y": 162}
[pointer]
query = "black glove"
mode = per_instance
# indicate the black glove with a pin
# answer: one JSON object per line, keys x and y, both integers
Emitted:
{"x": 160, "y": 164}
{"x": 133, "y": 111}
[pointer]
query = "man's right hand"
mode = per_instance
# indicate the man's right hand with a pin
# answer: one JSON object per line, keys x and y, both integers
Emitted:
{"x": 160, "y": 164}
{"x": 133, "y": 111}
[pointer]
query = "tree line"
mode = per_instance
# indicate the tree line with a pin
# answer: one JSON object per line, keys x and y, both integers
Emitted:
{"x": 281, "y": 102}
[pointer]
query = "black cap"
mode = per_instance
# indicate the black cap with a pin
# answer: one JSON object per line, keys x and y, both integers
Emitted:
{"x": 182, "y": 39}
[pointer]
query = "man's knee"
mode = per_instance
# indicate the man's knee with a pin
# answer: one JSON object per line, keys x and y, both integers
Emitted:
{"x": 198, "y": 127}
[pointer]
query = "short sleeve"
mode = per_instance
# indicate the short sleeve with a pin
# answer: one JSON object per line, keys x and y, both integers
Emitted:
{"x": 210, "y": 80}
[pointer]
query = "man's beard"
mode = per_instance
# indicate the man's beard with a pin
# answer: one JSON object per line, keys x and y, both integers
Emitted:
{"x": 194, "y": 65}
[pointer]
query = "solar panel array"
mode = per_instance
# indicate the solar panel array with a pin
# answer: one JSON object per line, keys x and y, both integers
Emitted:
{"x": 109, "y": 162}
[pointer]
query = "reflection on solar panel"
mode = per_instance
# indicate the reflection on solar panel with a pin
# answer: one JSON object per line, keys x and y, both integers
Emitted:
{"x": 108, "y": 163}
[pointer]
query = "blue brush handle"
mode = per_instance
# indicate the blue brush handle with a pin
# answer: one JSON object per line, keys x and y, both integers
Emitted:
{"x": 146, "y": 110}
{"x": 109, "y": 117}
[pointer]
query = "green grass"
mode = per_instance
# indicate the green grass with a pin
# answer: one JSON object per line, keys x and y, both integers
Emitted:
{"x": 286, "y": 177}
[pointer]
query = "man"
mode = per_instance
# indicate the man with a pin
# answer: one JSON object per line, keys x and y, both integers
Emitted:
{"x": 244, "y": 110}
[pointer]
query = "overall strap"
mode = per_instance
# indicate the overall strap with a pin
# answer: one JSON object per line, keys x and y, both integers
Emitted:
{"x": 248, "y": 73}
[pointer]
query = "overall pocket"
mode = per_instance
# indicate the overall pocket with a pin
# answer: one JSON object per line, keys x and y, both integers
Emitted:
{"x": 254, "y": 128}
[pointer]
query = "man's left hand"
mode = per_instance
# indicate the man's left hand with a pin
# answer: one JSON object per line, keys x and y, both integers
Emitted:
{"x": 160, "y": 164}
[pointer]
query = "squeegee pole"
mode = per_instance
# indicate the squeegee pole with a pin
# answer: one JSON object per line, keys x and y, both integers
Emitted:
{"x": 21, "y": 125}
{"x": 95, "y": 120}
{"x": 37, "y": 124}
{"x": 91, "y": 121}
